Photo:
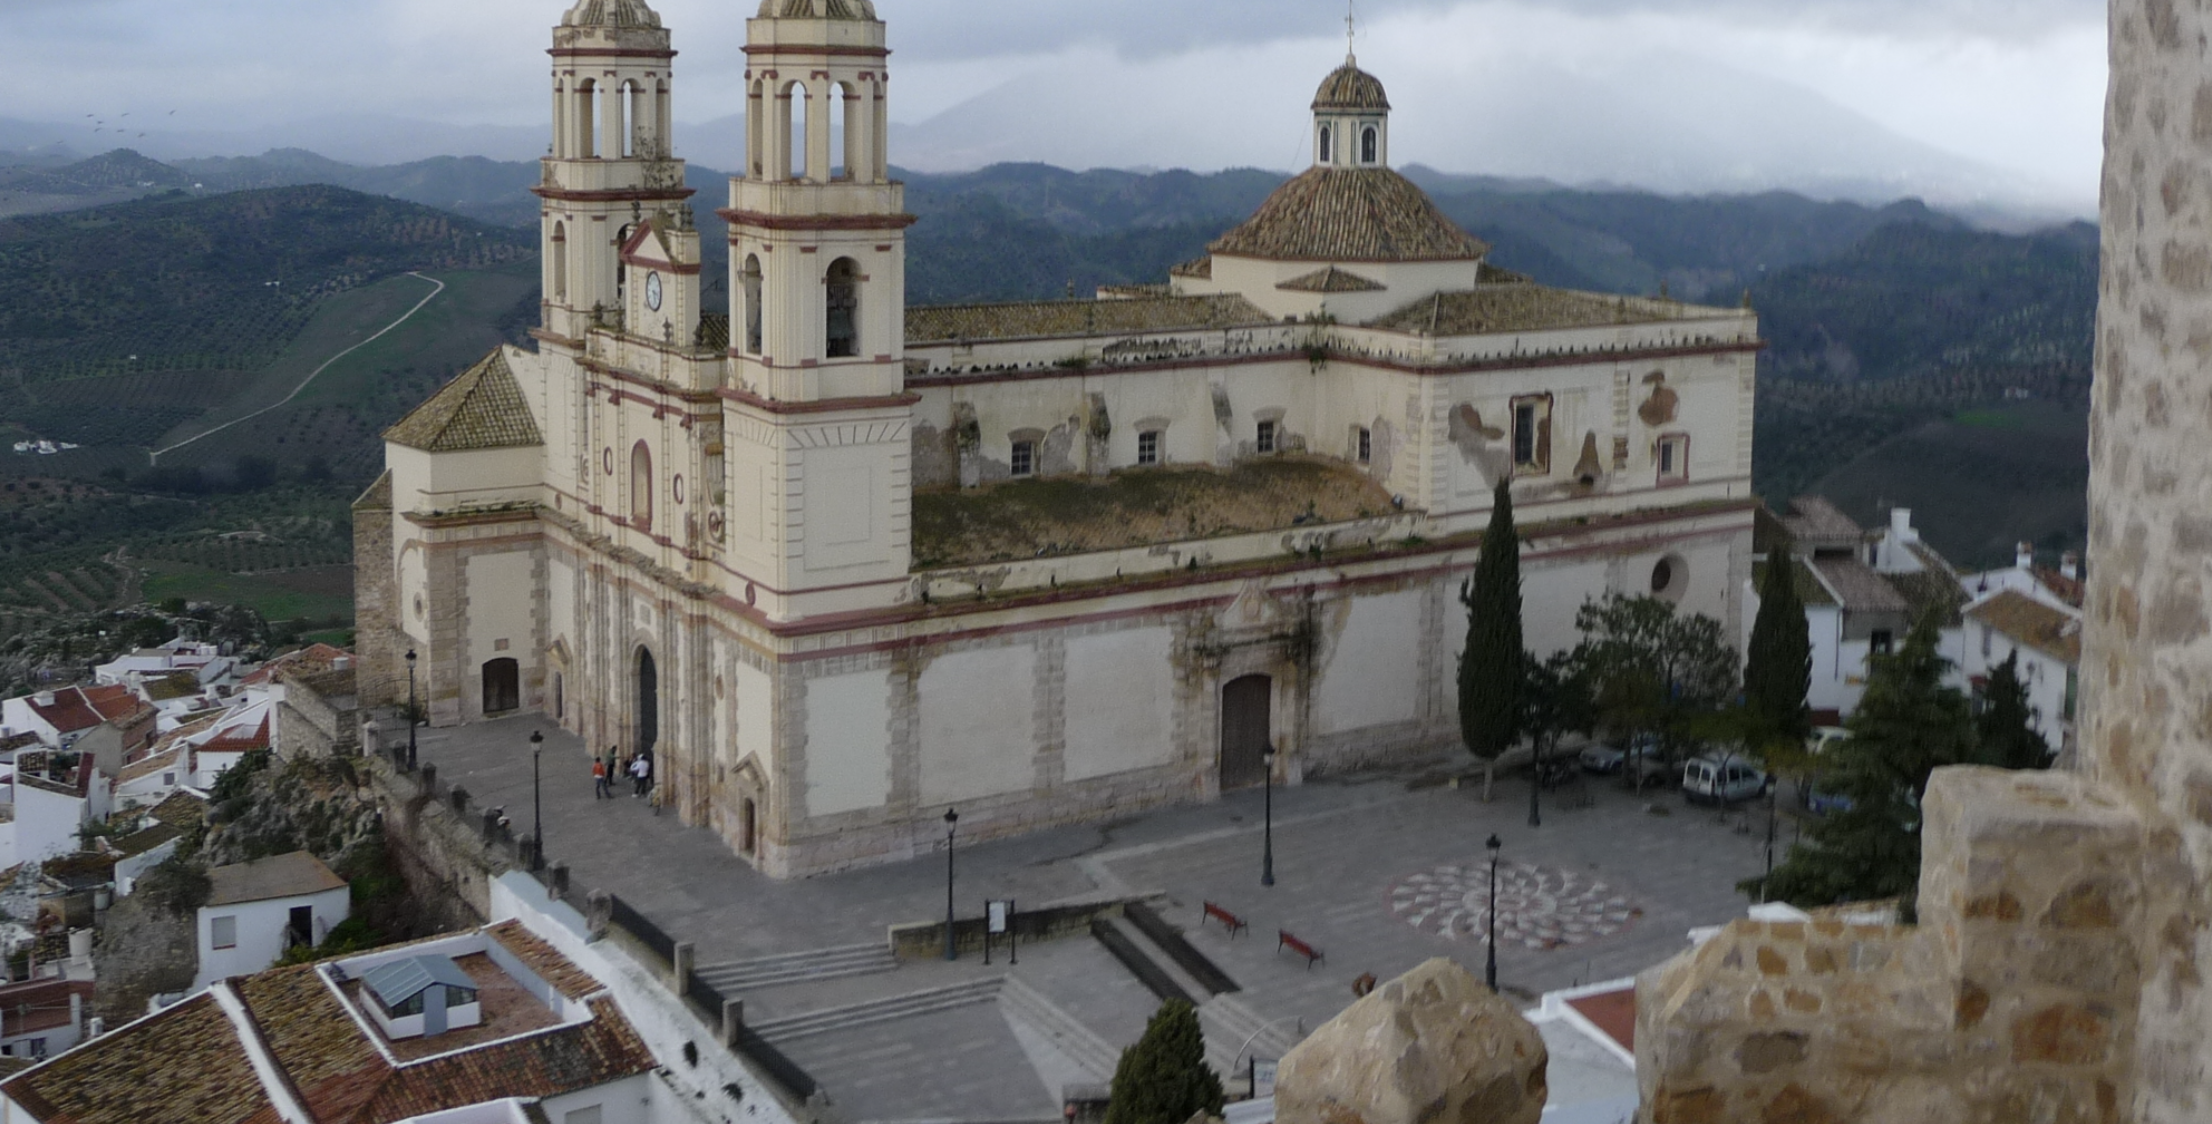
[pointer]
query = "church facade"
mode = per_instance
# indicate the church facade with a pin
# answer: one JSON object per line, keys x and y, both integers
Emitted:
{"x": 843, "y": 565}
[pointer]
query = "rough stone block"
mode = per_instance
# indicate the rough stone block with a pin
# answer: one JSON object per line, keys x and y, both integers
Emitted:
{"x": 1433, "y": 1046}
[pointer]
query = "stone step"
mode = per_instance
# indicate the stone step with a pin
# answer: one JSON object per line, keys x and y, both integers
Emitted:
{"x": 891, "y": 1008}
{"x": 1128, "y": 946}
{"x": 795, "y": 967}
{"x": 1062, "y": 1029}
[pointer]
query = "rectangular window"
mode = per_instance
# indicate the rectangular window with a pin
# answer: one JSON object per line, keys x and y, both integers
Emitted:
{"x": 1266, "y": 442}
{"x": 581, "y": 1116}
{"x": 1674, "y": 458}
{"x": 169, "y": 778}
{"x": 1989, "y": 640}
{"x": 1025, "y": 458}
{"x": 1148, "y": 448}
{"x": 1532, "y": 435}
{"x": 222, "y": 932}
{"x": 1366, "y": 445}
{"x": 1881, "y": 642}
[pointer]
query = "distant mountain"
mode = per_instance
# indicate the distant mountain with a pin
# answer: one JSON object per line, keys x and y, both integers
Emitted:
{"x": 120, "y": 169}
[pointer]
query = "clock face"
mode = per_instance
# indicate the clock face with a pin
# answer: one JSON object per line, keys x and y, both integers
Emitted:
{"x": 653, "y": 291}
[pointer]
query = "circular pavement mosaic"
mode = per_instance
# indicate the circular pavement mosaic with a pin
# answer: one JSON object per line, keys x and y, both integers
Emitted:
{"x": 1538, "y": 908}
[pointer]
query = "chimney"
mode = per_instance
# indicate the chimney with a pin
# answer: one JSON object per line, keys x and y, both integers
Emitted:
{"x": 1900, "y": 525}
{"x": 43, "y": 698}
{"x": 2026, "y": 558}
{"x": 2069, "y": 564}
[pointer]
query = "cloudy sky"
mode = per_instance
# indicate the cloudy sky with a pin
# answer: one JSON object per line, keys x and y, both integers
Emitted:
{"x": 2006, "y": 94}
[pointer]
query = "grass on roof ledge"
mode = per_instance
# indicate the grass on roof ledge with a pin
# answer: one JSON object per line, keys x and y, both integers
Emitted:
{"x": 1137, "y": 507}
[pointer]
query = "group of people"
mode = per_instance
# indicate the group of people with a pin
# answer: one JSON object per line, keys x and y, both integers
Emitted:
{"x": 604, "y": 770}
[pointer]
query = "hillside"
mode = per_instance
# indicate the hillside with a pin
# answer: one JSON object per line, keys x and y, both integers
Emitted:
{"x": 208, "y": 283}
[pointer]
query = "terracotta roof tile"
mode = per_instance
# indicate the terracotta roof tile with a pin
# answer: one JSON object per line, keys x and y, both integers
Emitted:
{"x": 1859, "y": 588}
{"x": 1331, "y": 280}
{"x": 240, "y": 739}
{"x": 309, "y": 1032}
{"x": 1350, "y": 215}
{"x": 284, "y": 876}
{"x": 185, "y": 1063}
{"x": 545, "y": 960}
{"x": 2032, "y": 624}
{"x": 1349, "y": 87}
{"x": 1526, "y": 308}
{"x": 69, "y": 712}
{"x": 1814, "y": 523}
{"x": 541, "y": 1065}
{"x": 116, "y": 703}
{"x": 1043, "y": 319}
{"x": 1202, "y": 268}
{"x": 148, "y": 766}
{"x": 482, "y": 409}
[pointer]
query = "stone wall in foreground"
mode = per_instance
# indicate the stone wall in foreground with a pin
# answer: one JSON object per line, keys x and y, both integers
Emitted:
{"x": 2014, "y": 999}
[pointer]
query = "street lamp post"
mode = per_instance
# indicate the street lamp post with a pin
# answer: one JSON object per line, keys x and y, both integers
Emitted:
{"x": 410, "y": 710}
{"x": 952, "y": 824}
{"x": 537, "y": 803}
{"x": 1490, "y": 973}
{"x": 1267, "y": 847}
{"x": 1535, "y": 782}
{"x": 1771, "y": 813}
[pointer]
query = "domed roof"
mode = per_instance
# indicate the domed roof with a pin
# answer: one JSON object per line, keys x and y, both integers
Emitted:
{"x": 817, "y": 9}
{"x": 611, "y": 13}
{"x": 1350, "y": 215}
{"x": 1350, "y": 88}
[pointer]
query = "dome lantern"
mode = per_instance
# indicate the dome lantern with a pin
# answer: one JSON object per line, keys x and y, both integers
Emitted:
{"x": 1351, "y": 119}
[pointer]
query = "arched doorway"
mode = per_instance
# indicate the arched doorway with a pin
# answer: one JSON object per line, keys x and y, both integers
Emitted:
{"x": 502, "y": 686}
{"x": 648, "y": 702}
{"x": 748, "y": 828}
{"x": 1245, "y": 731}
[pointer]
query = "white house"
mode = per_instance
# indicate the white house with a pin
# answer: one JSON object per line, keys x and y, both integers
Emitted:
{"x": 49, "y": 813}
{"x": 42, "y": 1017}
{"x": 1863, "y": 593}
{"x": 2046, "y": 638}
{"x": 142, "y": 851}
{"x": 257, "y": 910}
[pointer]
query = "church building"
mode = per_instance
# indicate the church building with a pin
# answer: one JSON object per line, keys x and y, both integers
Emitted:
{"x": 844, "y": 565}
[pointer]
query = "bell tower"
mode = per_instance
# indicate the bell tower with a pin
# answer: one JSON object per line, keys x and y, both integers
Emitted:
{"x": 612, "y": 158}
{"x": 820, "y": 419}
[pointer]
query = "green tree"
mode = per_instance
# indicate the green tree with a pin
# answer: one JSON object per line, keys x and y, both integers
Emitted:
{"x": 2005, "y": 733}
{"x": 1907, "y": 726}
{"x": 1490, "y": 675}
{"x": 1653, "y": 671}
{"x": 1555, "y": 700}
{"x": 1778, "y": 669}
{"x": 1164, "y": 1079}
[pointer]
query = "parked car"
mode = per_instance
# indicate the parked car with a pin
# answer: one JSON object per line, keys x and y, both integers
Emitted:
{"x": 1810, "y": 792}
{"x": 1609, "y": 760}
{"x": 1721, "y": 780}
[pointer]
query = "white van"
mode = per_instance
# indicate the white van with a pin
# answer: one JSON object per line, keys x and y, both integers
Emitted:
{"x": 1716, "y": 780}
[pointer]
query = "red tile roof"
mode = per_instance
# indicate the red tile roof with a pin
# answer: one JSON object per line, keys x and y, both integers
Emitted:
{"x": 68, "y": 713}
{"x": 118, "y": 703}
{"x": 239, "y": 739}
{"x": 40, "y": 1005}
{"x": 189, "y": 1064}
{"x": 185, "y": 1063}
{"x": 1613, "y": 1012}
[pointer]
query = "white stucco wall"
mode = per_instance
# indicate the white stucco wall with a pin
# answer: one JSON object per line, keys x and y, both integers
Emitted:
{"x": 628, "y": 1101}
{"x": 978, "y": 724}
{"x": 261, "y": 928}
{"x": 1120, "y": 700}
{"x": 46, "y": 823}
{"x": 756, "y": 731}
{"x": 1373, "y": 673}
{"x": 500, "y": 599}
{"x": 848, "y": 742}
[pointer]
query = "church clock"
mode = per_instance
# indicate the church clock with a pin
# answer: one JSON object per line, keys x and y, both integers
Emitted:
{"x": 653, "y": 291}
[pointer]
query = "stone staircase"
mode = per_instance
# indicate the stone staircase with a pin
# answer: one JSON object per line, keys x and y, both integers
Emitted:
{"x": 1071, "y": 1037}
{"x": 888, "y": 1009}
{"x": 740, "y": 976}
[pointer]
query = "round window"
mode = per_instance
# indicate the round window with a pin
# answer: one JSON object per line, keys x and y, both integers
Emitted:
{"x": 606, "y": 460}
{"x": 1670, "y": 578}
{"x": 677, "y": 486}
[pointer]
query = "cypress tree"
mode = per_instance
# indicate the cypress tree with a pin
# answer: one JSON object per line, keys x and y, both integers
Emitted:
{"x": 1778, "y": 668}
{"x": 1490, "y": 673}
{"x": 1164, "y": 1079}
{"x": 2006, "y": 726}
{"x": 1908, "y": 725}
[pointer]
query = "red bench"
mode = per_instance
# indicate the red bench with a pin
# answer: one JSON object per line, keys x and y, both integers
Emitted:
{"x": 1284, "y": 940}
{"x": 1229, "y": 921}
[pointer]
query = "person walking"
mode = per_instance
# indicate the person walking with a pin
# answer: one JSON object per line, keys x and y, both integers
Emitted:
{"x": 637, "y": 776}
{"x": 601, "y": 788}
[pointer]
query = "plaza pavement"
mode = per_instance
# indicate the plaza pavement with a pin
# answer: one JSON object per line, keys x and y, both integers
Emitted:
{"x": 1342, "y": 845}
